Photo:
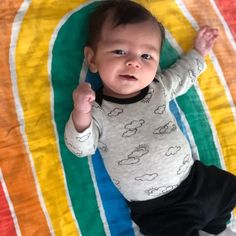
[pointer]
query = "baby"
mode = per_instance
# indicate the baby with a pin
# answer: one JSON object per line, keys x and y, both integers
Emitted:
{"x": 129, "y": 121}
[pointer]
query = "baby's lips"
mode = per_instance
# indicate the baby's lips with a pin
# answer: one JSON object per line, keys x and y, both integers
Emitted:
{"x": 132, "y": 77}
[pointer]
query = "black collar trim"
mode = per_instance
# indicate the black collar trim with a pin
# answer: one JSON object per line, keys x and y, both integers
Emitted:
{"x": 100, "y": 96}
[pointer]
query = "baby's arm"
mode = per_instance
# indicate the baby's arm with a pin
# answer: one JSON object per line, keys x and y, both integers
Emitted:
{"x": 182, "y": 75}
{"x": 83, "y": 96}
{"x": 205, "y": 40}
{"x": 81, "y": 132}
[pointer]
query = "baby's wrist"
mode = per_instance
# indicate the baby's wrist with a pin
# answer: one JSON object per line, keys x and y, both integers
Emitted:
{"x": 77, "y": 111}
{"x": 200, "y": 52}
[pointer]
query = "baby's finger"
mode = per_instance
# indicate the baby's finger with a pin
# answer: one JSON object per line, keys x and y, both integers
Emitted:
{"x": 211, "y": 32}
{"x": 212, "y": 35}
{"x": 85, "y": 85}
{"x": 91, "y": 96}
{"x": 203, "y": 30}
{"x": 212, "y": 40}
{"x": 215, "y": 32}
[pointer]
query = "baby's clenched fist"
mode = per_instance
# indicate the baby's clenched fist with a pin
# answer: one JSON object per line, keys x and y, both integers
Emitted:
{"x": 83, "y": 96}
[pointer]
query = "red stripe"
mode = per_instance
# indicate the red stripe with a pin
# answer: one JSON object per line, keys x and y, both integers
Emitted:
{"x": 228, "y": 11}
{"x": 7, "y": 227}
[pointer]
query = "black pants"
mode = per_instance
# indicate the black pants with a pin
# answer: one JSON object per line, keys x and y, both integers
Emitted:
{"x": 203, "y": 201}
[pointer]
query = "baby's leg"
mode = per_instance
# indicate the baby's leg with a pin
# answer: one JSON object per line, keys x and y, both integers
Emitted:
{"x": 221, "y": 200}
{"x": 217, "y": 225}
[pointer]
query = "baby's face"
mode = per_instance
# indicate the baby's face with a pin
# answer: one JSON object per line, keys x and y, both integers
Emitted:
{"x": 127, "y": 57}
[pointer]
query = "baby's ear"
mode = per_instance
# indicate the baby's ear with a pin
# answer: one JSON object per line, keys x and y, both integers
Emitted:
{"x": 90, "y": 59}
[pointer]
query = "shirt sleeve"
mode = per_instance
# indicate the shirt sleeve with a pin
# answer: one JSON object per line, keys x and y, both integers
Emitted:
{"x": 84, "y": 143}
{"x": 182, "y": 75}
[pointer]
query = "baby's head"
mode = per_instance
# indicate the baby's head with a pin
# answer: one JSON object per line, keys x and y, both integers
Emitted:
{"x": 119, "y": 12}
{"x": 123, "y": 46}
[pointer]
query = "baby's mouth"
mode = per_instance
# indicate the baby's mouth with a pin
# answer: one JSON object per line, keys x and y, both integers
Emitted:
{"x": 129, "y": 77}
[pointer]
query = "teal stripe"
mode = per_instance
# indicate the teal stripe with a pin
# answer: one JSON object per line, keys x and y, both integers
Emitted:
{"x": 191, "y": 105}
{"x": 66, "y": 66}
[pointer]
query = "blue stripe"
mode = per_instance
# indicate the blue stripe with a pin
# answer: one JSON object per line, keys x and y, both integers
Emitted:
{"x": 114, "y": 204}
{"x": 175, "y": 111}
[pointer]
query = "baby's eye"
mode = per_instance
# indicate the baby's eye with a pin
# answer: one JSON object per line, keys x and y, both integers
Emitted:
{"x": 146, "y": 56}
{"x": 119, "y": 52}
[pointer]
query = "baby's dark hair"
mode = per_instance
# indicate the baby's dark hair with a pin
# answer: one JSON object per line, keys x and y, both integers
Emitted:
{"x": 123, "y": 12}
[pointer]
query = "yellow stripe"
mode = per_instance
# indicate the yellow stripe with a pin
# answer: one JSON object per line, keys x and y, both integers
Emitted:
{"x": 34, "y": 89}
{"x": 209, "y": 82}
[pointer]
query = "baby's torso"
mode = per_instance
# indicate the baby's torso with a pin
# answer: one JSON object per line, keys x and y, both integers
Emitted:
{"x": 142, "y": 147}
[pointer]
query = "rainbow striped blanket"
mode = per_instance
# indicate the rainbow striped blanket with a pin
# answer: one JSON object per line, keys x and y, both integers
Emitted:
{"x": 44, "y": 189}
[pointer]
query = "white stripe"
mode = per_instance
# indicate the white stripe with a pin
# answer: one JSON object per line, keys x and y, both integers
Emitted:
{"x": 20, "y": 116}
{"x": 187, "y": 14}
{"x": 12, "y": 211}
{"x": 173, "y": 42}
{"x": 225, "y": 25}
{"x": 232, "y": 224}
{"x": 98, "y": 196}
{"x": 83, "y": 72}
{"x": 136, "y": 230}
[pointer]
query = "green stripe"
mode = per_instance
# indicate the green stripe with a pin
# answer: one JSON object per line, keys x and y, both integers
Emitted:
{"x": 66, "y": 66}
{"x": 193, "y": 109}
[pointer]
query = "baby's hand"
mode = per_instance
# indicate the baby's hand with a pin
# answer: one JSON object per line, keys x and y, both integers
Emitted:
{"x": 205, "y": 40}
{"x": 83, "y": 97}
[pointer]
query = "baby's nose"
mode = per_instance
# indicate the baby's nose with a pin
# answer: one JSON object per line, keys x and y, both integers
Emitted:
{"x": 133, "y": 62}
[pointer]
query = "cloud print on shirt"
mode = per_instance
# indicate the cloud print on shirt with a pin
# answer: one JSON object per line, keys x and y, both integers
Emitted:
{"x": 172, "y": 150}
{"x": 179, "y": 78}
{"x": 139, "y": 151}
{"x": 192, "y": 75}
{"x": 103, "y": 146}
{"x": 160, "y": 109}
{"x": 115, "y": 112}
{"x": 148, "y": 97}
{"x": 183, "y": 168}
{"x": 75, "y": 150}
{"x": 116, "y": 182}
{"x": 135, "y": 124}
{"x": 132, "y": 127}
{"x": 84, "y": 137}
{"x": 129, "y": 161}
{"x": 147, "y": 177}
{"x": 199, "y": 64}
{"x": 134, "y": 156}
{"x": 129, "y": 133}
{"x": 160, "y": 191}
{"x": 165, "y": 129}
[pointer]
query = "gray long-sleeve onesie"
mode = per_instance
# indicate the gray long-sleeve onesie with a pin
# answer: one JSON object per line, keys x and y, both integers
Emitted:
{"x": 143, "y": 149}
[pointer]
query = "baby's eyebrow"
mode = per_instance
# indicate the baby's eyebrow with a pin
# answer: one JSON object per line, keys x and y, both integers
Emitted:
{"x": 150, "y": 47}
{"x": 146, "y": 46}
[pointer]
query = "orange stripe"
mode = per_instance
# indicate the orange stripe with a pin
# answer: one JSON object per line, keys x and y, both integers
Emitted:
{"x": 14, "y": 160}
{"x": 223, "y": 48}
